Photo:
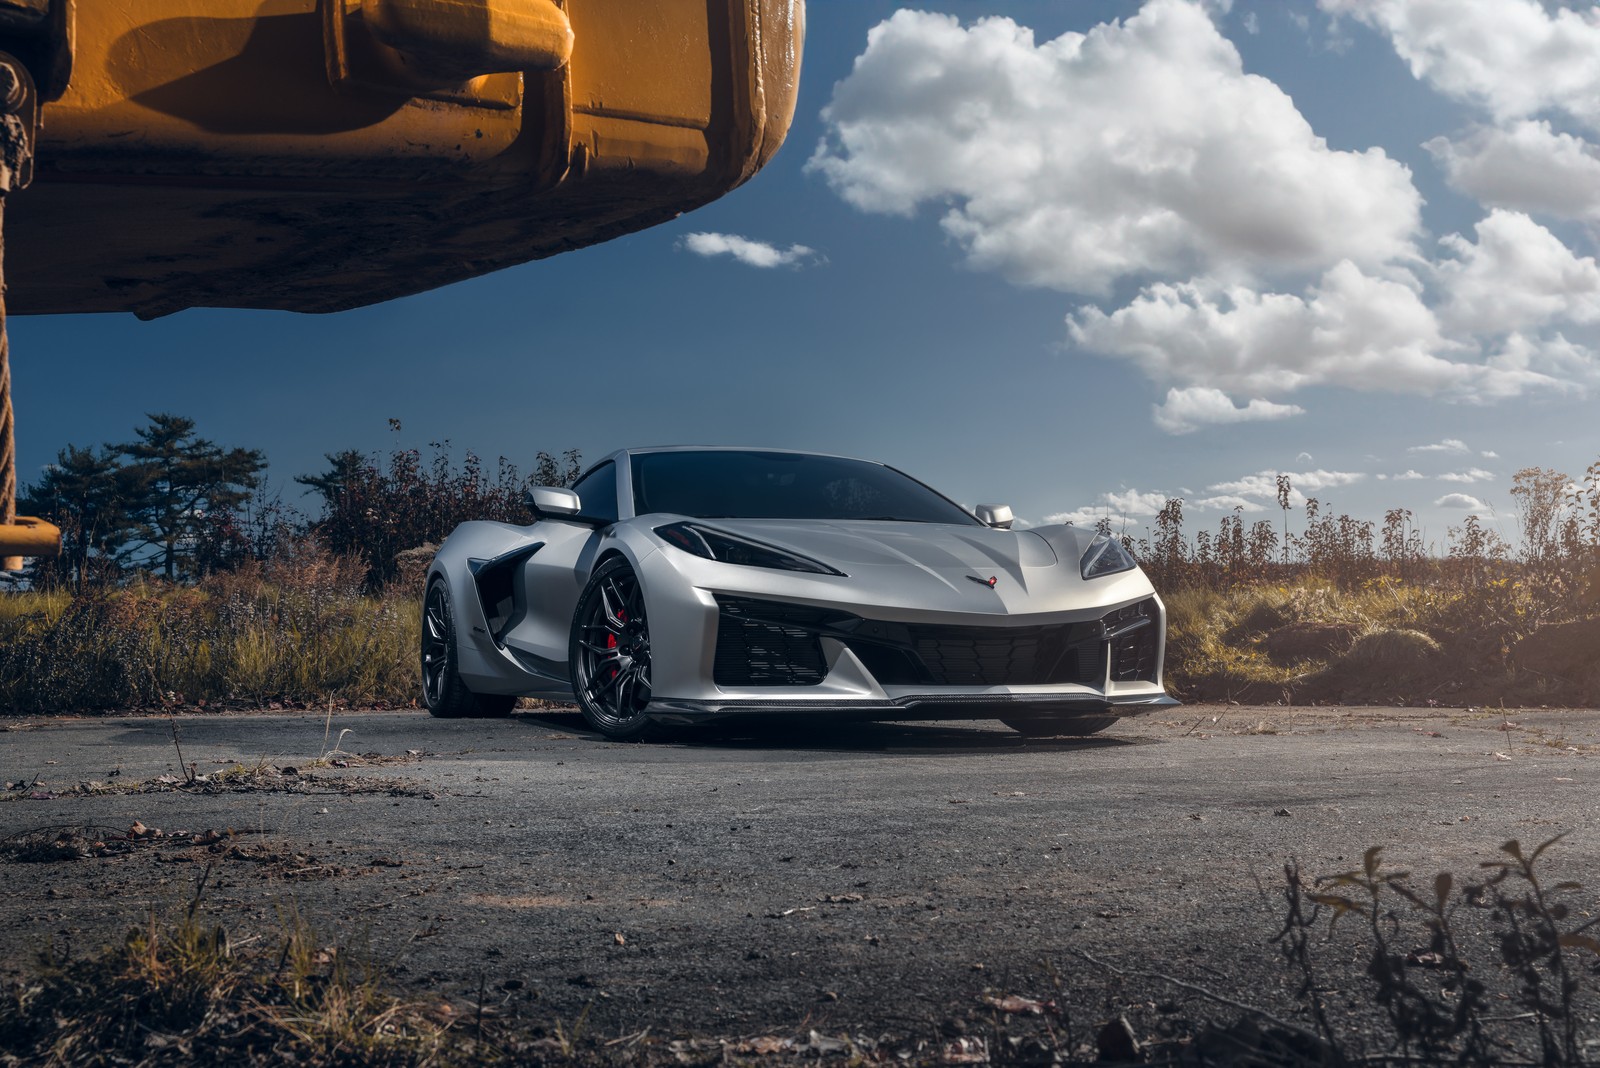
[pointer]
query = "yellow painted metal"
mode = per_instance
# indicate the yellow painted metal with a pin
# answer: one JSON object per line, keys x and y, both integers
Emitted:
{"x": 451, "y": 41}
{"x": 26, "y": 536}
{"x": 316, "y": 155}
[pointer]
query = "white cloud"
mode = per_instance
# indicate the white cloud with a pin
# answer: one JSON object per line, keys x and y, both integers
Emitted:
{"x": 1139, "y": 147}
{"x": 1492, "y": 333}
{"x": 1141, "y": 150}
{"x": 1081, "y": 517}
{"x": 1512, "y": 58}
{"x": 1303, "y": 458}
{"x": 1526, "y": 166}
{"x": 1517, "y": 276}
{"x": 1489, "y": 454}
{"x": 1474, "y": 474}
{"x": 1452, "y": 445}
{"x": 1117, "y": 505}
{"x": 748, "y": 252}
{"x": 1408, "y": 475}
{"x": 1134, "y": 502}
{"x": 1263, "y": 485}
{"x": 1226, "y": 503}
{"x": 1187, "y": 410}
{"x": 1352, "y": 330}
{"x": 1459, "y": 500}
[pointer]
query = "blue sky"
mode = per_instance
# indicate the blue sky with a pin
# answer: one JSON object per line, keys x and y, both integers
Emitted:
{"x": 1351, "y": 240}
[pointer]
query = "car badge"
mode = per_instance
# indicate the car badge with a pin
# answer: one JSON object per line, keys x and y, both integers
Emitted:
{"x": 989, "y": 582}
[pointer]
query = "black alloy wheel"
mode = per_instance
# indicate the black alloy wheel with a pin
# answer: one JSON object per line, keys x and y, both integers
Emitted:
{"x": 443, "y": 692}
{"x": 610, "y": 652}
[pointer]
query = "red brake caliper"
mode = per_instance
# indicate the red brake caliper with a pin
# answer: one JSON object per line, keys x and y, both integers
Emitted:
{"x": 611, "y": 643}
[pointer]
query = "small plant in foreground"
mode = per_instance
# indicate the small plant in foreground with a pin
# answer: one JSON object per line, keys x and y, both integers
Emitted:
{"x": 1429, "y": 970}
{"x": 179, "y": 993}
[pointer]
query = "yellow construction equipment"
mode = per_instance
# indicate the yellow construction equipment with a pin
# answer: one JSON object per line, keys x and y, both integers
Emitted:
{"x": 318, "y": 155}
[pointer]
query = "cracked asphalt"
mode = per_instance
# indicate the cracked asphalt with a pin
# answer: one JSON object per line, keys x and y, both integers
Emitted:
{"x": 797, "y": 875}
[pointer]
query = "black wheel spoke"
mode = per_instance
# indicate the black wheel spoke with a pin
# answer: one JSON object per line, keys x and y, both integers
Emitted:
{"x": 610, "y": 684}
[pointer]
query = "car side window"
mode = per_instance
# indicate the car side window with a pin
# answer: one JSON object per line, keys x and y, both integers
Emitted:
{"x": 597, "y": 493}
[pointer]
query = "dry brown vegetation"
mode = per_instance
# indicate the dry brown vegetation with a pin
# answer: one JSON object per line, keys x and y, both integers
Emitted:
{"x": 1345, "y": 611}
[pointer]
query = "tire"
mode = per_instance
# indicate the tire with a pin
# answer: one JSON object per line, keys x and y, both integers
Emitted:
{"x": 1057, "y": 726}
{"x": 443, "y": 692}
{"x": 610, "y": 653}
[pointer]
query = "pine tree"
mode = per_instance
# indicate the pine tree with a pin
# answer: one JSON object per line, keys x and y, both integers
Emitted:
{"x": 86, "y": 493}
{"x": 176, "y": 479}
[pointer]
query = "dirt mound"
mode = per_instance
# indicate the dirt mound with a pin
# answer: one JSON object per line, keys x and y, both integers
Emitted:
{"x": 1391, "y": 649}
{"x": 1298, "y": 642}
{"x": 1568, "y": 652}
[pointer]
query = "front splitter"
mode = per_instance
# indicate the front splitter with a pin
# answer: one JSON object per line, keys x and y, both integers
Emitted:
{"x": 924, "y": 706}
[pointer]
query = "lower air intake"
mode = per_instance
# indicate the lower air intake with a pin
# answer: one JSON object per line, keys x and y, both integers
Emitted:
{"x": 764, "y": 652}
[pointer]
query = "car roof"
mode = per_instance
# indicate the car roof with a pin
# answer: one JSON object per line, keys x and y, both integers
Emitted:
{"x": 622, "y": 453}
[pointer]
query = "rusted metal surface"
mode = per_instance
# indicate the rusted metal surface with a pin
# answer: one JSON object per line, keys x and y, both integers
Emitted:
{"x": 278, "y": 154}
{"x": 20, "y": 536}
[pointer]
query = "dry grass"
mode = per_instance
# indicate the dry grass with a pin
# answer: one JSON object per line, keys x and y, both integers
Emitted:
{"x": 297, "y": 631}
{"x": 182, "y": 993}
{"x": 1385, "y": 641}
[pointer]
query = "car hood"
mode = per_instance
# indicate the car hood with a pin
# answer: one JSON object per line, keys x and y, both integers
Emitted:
{"x": 945, "y": 550}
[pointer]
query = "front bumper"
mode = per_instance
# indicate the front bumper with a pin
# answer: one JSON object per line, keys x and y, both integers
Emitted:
{"x": 916, "y": 706}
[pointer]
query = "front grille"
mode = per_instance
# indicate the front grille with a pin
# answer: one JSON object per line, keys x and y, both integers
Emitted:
{"x": 1067, "y": 653}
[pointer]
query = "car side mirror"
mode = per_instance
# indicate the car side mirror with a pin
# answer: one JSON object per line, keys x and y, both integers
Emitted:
{"x": 550, "y": 502}
{"x": 994, "y": 515}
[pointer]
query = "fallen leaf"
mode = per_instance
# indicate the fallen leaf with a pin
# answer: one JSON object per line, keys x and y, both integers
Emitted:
{"x": 840, "y": 899}
{"x": 1501, "y": 756}
{"x": 968, "y": 1049}
{"x": 764, "y": 1044}
{"x": 619, "y": 939}
{"x": 817, "y": 1042}
{"x": 1018, "y": 1004}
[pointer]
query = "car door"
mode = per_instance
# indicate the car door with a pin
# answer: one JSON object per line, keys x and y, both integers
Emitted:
{"x": 554, "y": 577}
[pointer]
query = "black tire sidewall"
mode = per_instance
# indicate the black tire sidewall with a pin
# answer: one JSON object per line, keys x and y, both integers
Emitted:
{"x": 447, "y": 672}
{"x": 642, "y": 725}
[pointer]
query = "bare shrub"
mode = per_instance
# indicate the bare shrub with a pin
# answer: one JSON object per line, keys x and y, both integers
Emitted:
{"x": 1433, "y": 951}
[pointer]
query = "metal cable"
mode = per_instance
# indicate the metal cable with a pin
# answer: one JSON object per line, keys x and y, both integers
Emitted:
{"x": 8, "y": 445}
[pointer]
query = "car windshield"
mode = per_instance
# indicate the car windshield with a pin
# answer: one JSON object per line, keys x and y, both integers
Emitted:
{"x": 729, "y": 484}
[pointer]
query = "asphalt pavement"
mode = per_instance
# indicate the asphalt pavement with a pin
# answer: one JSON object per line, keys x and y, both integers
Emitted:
{"x": 792, "y": 877}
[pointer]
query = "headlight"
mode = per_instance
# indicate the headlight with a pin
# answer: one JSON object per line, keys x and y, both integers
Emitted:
{"x": 1105, "y": 556}
{"x": 732, "y": 549}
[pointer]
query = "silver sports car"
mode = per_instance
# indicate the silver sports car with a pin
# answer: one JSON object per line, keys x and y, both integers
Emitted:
{"x": 677, "y": 585}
